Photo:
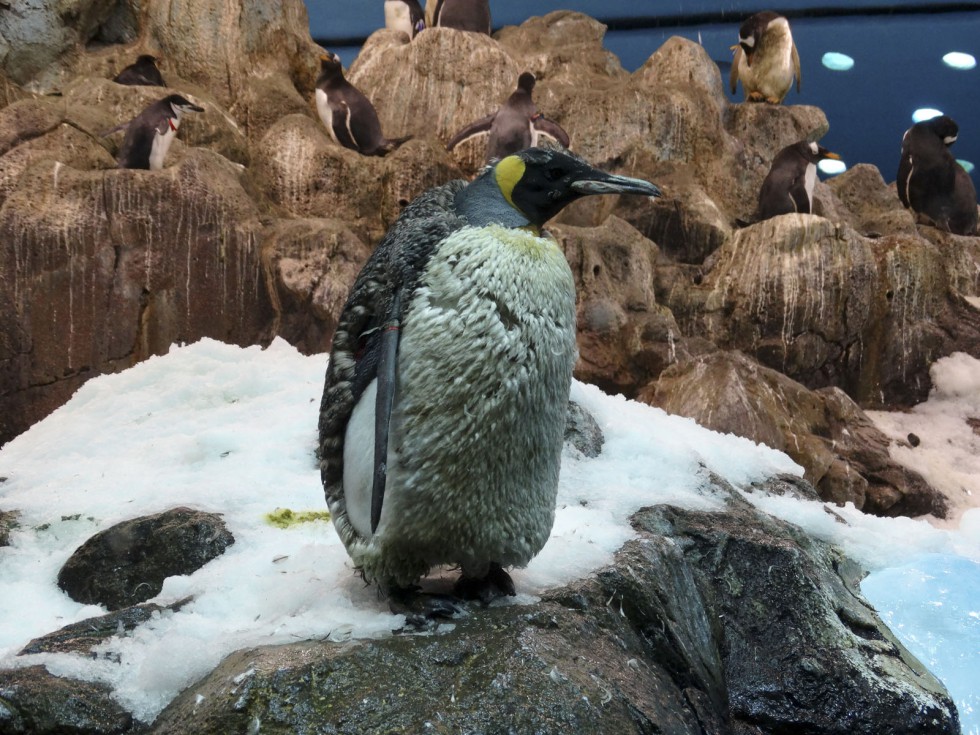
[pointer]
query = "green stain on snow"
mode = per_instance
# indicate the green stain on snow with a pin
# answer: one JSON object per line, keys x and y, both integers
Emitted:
{"x": 286, "y": 518}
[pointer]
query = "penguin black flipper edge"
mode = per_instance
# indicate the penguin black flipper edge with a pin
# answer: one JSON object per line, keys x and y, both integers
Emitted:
{"x": 387, "y": 370}
{"x": 550, "y": 128}
{"x": 474, "y": 128}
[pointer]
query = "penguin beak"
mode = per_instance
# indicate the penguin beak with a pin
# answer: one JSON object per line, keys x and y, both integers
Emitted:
{"x": 829, "y": 154}
{"x": 599, "y": 182}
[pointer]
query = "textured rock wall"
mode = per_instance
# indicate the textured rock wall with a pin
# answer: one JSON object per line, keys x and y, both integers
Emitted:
{"x": 856, "y": 297}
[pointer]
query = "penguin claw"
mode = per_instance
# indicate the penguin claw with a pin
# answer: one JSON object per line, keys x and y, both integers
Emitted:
{"x": 497, "y": 583}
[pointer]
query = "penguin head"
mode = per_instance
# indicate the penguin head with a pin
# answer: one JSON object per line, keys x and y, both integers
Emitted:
{"x": 528, "y": 188}
{"x": 815, "y": 153}
{"x": 525, "y": 82}
{"x": 330, "y": 66}
{"x": 753, "y": 29}
{"x": 944, "y": 127}
{"x": 180, "y": 105}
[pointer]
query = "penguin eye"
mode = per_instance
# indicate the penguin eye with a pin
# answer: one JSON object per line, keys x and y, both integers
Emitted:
{"x": 554, "y": 173}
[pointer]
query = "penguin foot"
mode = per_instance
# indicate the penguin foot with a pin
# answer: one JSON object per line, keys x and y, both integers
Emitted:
{"x": 755, "y": 97}
{"x": 421, "y": 609}
{"x": 486, "y": 589}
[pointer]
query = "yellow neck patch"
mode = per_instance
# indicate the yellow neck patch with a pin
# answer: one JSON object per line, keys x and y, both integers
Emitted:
{"x": 508, "y": 172}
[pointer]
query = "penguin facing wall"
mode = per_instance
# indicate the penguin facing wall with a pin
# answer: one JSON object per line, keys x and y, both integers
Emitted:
{"x": 347, "y": 113}
{"x": 463, "y": 15}
{"x": 766, "y": 60}
{"x": 143, "y": 72}
{"x": 788, "y": 187}
{"x": 515, "y": 126}
{"x": 149, "y": 134}
{"x": 931, "y": 183}
{"x": 444, "y": 402}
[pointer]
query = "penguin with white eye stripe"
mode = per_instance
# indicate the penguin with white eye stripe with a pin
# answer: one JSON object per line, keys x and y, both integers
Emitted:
{"x": 788, "y": 187}
{"x": 347, "y": 113}
{"x": 766, "y": 60}
{"x": 931, "y": 183}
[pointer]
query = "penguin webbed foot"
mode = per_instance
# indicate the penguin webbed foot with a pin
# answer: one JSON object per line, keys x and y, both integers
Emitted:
{"x": 422, "y": 609}
{"x": 496, "y": 583}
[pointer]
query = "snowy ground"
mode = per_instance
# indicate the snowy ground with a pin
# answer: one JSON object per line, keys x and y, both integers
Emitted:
{"x": 233, "y": 431}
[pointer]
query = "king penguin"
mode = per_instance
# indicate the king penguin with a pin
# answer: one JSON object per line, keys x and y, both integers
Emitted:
{"x": 515, "y": 126}
{"x": 404, "y": 15}
{"x": 149, "y": 134}
{"x": 788, "y": 187}
{"x": 348, "y": 115}
{"x": 463, "y": 15}
{"x": 143, "y": 71}
{"x": 766, "y": 60}
{"x": 443, "y": 409}
{"x": 931, "y": 183}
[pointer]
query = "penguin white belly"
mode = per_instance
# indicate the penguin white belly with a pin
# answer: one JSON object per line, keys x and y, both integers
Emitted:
{"x": 326, "y": 114}
{"x": 809, "y": 182}
{"x": 484, "y": 370}
{"x": 398, "y": 17}
{"x": 161, "y": 144}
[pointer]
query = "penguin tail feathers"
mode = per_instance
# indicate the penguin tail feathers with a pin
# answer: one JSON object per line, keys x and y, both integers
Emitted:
{"x": 391, "y": 144}
{"x": 120, "y": 126}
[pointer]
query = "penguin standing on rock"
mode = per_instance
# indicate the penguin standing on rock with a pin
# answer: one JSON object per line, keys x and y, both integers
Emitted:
{"x": 788, "y": 187}
{"x": 931, "y": 183}
{"x": 766, "y": 60}
{"x": 444, "y": 403}
{"x": 141, "y": 72}
{"x": 463, "y": 15}
{"x": 515, "y": 126}
{"x": 149, "y": 134}
{"x": 348, "y": 115}
{"x": 404, "y": 15}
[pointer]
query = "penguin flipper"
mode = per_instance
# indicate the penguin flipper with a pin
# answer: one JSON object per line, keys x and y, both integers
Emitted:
{"x": 387, "y": 370}
{"x": 733, "y": 75}
{"x": 551, "y": 129}
{"x": 474, "y": 128}
{"x": 341, "y": 125}
{"x": 796, "y": 69}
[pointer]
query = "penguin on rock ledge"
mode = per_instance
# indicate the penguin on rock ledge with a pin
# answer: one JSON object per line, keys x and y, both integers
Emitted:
{"x": 443, "y": 410}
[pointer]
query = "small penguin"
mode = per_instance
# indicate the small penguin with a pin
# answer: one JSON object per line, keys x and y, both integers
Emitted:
{"x": 766, "y": 60}
{"x": 348, "y": 115}
{"x": 515, "y": 126}
{"x": 788, "y": 187}
{"x": 149, "y": 134}
{"x": 141, "y": 72}
{"x": 463, "y": 15}
{"x": 404, "y": 15}
{"x": 931, "y": 183}
{"x": 445, "y": 397}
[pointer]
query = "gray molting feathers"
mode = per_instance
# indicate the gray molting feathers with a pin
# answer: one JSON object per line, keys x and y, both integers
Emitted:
{"x": 463, "y": 15}
{"x": 931, "y": 183}
{"x": 788, "y": 187}
{"x": 406, "y": 16}
{"x": 143, "y": 71}
{"x": 149, "y": 134}
{"x": 516, "y": 125}
{"x": 445, "y": 397}
{"x": 347, "y": 114}
{"x": 766, "y": 60}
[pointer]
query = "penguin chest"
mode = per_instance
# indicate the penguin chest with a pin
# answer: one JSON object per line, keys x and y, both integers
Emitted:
{"x": 161, "y": 144}
{"x": 398, "y": 17}
{"x": 771, "y": 73}
{"x": 809, "y": 182}
{"x": 484, "y": 370}
{"x": 326, "y": 114}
